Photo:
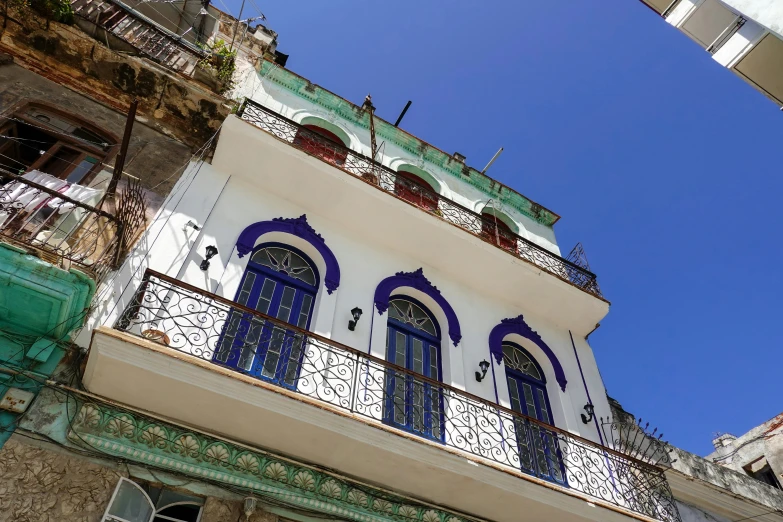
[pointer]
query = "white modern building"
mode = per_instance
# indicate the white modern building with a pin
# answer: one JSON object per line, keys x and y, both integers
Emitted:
{"x": 745, "y": 36}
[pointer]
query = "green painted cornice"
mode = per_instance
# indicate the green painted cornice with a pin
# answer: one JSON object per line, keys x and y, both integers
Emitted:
{"x": 144, "y": 440}
{"x": 353, "y": 114}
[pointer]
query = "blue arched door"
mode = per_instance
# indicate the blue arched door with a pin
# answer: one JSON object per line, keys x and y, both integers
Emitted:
{"x": 538, "y": 450}
{"x": 280, "y": 281}
{"x": 413, "y": 342}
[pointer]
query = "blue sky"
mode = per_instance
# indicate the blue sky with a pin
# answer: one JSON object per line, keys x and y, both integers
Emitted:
{"x": 663, "y": 164}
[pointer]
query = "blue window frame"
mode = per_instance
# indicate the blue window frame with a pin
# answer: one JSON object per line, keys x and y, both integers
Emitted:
{"x": 539, "y": 452}
{"x": 413, "y": 342}
{"x": 282, "y": 282}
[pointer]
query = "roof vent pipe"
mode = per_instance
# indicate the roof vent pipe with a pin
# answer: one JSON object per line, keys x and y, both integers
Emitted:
{"x": 492, "y": 160}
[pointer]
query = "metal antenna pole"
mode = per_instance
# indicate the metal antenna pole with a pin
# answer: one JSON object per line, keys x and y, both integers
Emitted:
{"x": 492, "y": 160}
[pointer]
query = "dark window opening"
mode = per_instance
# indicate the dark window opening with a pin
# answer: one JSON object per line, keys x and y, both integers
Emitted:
{"x": 412, "y": 188}
{"x": 38, "y": 139}
{"x": 496, "y": 231}
{"x": 765, "y": 475}
{"x": 322, "y": 143}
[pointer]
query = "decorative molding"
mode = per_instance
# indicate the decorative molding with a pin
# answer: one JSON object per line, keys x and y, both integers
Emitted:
{"x": 417, "y": 280}
{"x": 517, "y": 325}
{"x": 297, "y": 227}
{"x": 147, "y": 441}
{"x": 305, "y": 89}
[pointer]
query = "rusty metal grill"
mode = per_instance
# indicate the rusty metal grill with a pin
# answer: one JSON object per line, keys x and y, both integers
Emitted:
{"x": 143, "y": 34}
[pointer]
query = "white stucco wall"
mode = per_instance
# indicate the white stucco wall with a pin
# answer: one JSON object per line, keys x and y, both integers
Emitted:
{"x": 223, "y": 205}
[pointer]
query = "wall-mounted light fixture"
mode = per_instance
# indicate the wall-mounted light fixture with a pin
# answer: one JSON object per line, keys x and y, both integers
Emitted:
{"x": 590, "y": 412}
{"x": 192, "y": 224}
{"x": 250, "y": 507}
{"x": 211, "y": 252}
{"x": 484, "y": 365}
{"x": 356, "y": 313}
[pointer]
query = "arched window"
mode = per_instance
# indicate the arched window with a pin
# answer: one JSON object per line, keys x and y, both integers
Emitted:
{"x": 411, "y": 187}
{"x": 39, "y": 137}
{"x": 281, "y": 282}
{"x": 413, "y": 342}
{"x": 538, "y": 450}
{"x": 496, "y": 231}
{"x": 322, "y": 143}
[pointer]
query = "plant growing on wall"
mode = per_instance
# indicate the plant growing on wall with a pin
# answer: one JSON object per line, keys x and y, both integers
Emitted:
{"x": 57, "y": 10}
{"x": 222, "y": 63}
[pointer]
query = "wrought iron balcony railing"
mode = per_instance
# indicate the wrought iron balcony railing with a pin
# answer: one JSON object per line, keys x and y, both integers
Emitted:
{"x": 362, "y": 167}
{"x": 204, "y": 325}
{"x": 65, "y": 231}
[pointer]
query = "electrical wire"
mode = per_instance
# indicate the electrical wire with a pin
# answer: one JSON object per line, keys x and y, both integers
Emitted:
{"x": 55, "y": 131}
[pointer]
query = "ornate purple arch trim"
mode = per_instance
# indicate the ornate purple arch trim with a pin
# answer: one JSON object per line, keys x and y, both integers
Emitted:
{"x": 517, "y": 325}
{"x": 298, "y": 227}
{"x": 419, "y": 282}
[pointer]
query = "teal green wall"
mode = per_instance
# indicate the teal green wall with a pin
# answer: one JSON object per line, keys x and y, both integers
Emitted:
{"x": 40, "y": 306}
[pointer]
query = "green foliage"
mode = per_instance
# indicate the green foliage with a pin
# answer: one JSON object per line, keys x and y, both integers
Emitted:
{"x": 57, "y": 10}
{"x": 222, "y": 62}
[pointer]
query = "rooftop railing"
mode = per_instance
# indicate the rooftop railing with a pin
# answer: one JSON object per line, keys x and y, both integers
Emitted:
{"x": 63, "y": 230}
{"x": 204, "y": 325}
{"x": 484, "y": 226}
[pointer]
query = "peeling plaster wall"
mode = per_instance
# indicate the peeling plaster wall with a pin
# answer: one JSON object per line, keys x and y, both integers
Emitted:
{"x": 40, "y": 482}
{"x": 765, "y": 440}
{"x": 152, "y": 156}
{"x": 39, "y": 485}
{"x": 175, "y": 105}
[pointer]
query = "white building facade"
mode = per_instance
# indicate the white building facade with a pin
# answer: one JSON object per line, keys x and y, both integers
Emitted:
{"x": 408, "y": 323}
{"x": 745, "y": 36}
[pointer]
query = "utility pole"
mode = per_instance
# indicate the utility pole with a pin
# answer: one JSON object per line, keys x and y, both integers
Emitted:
{"x": 120, "y": 163}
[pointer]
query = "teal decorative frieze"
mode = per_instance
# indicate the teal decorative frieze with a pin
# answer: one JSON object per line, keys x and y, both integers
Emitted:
{"x": 151, "y": 442}
{"x": 347, "y": 111}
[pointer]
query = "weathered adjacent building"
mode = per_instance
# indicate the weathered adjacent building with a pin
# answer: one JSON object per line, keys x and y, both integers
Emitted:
{"x": 704, "y": 488}
{"x": 758, "y": 453}
{"x": 68, "y": 74}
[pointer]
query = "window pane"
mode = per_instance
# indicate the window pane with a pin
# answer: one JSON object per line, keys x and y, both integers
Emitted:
{"x": 434, "y": 363}
{"x": 304, "y": 312}
{"x": 513, "y": 393}
{"x": 418, "y": 356}
{"x": 60, "y": 162}
{"x": 130, "y": 503}
{"x": 247, "y": 284}
{"x": 542, "y": 404}
{"x": 409, "y": 313}
{"x": 81, "y": 170}
{"x": 287, "y": 262}
{"x": 284, "y": 311}
{"x": 400, "y": 347}
{"x": 273, "y": 353}
{"x": 265, "y": 297}
{"x": 516, "y": 359}
{"x": 529, "y": 403}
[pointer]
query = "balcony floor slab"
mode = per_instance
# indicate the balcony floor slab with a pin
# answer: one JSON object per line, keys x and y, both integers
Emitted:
{"x": 183, "y": 388}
